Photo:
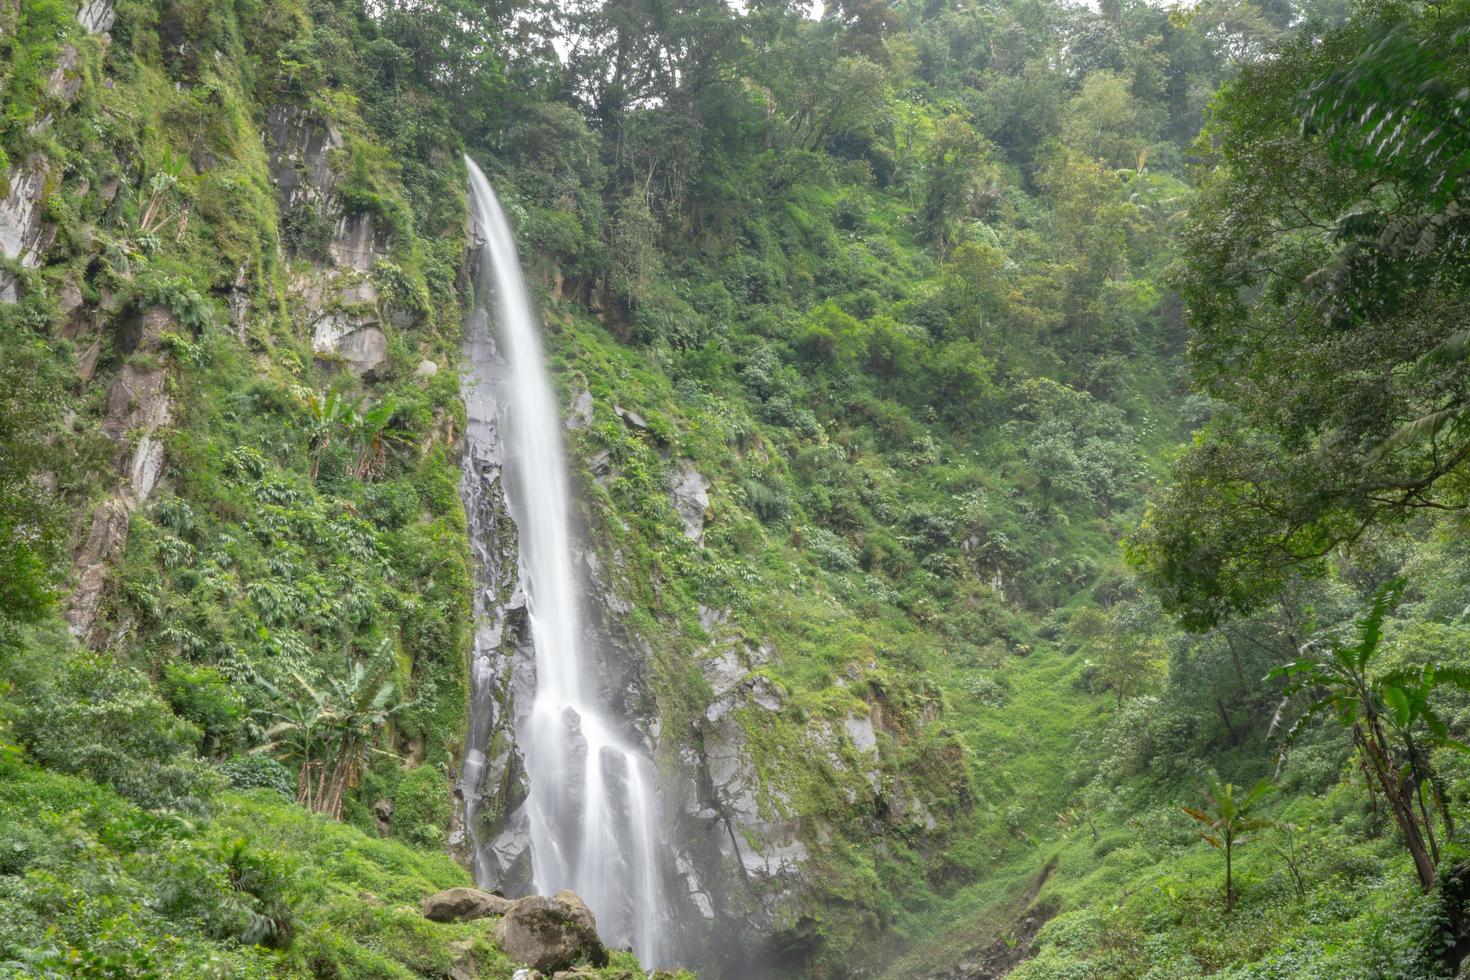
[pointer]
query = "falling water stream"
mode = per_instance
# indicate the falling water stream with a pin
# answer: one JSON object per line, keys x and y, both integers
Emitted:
{"x": 591, "y": 810}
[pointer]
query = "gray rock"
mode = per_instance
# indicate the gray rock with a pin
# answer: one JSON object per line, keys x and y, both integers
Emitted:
{"x": 360, "y": 293}
{"x": 23, "y": 234}
{"x": 723, "y": 672}
{"x": 365, "y": 351}
{"x": 860, "y": 730}
{"x": 464, "y": 904}
{"x": 631, "y": 419}
{"x": 426, "y": 369}
{"x": 360, "y": 344}
{"x": 97, "y": 16}
{"x": 690, "y": 491}
{"x": 300, "y": 156}
{"x": 580, "y": 415}
{"x": 146, "y": 467}
{"x": 135, "y": 400}
{"x": 137, "y": 405}
{"x": 464, "y": 966}
{"x": 356, "y": 244}
{"x": 550, "y": 934}
{"x": 105, "y": 542}
{"x": 65, "y": 80}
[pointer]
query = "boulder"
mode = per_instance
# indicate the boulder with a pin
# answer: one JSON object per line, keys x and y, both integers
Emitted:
{"x": 631, "y": 418}
{"x": 464, "y": 904}
{"x": 464, "y": 967}
{"x": 551, "y": 934}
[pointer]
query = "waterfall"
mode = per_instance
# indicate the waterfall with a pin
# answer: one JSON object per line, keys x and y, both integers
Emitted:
{"x": 591, "y": 810}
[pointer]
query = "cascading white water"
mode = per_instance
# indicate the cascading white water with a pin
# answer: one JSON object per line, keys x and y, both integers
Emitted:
{"x": 591, "y": 810}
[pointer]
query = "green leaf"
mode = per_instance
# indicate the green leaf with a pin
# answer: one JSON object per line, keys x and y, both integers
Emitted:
{"x": 1398, "y": 704}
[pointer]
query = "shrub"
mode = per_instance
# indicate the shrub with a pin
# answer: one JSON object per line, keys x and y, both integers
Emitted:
{"x": 202, "y": 696}
{"x": 83, "y": 713}
{"x": 421, "y": 807}
{"x": 258, "y": 772}
{"x": 830, "y": 551}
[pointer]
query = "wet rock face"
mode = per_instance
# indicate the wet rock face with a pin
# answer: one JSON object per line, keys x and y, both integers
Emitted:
{"x": 463, "y": 905}
{"x": 551, "y": 934}
{"x": 492, "y": 786}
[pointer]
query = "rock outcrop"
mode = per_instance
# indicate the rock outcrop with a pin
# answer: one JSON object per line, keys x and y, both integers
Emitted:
{"x": 24, "y": 233}
{"x": 690, "y": 491}
{"x": 337, "y": 300}
{"x": 551, "y": 933}
{"x": 138, "y": 407}
{"x": 97, "y": 16}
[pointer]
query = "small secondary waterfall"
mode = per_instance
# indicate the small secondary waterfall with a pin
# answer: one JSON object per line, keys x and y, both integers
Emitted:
{"x": 591, "y": 811}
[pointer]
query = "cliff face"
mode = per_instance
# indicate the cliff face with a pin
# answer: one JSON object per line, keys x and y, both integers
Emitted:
{"x": 260, "y": 368}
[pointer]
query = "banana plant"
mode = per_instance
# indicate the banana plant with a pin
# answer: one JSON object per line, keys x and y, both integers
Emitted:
{"x": 327, "y": 724}
{"x": 1227, "y": 821}
{"x": 1383, "y": 710}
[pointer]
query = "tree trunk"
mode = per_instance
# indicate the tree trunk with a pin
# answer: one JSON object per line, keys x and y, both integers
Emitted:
{"x": 1225, "y": 717}
{"x": 1401, "y": 808}
{"x": 1229, "y": 877}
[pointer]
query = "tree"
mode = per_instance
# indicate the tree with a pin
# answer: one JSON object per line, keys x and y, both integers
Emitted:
{"x": 332, "y": 416}
{"x": 975, "y": 289}
{"x": 1382, "y": 712}
{"x": 1227, "y": 821}
{"x": 959, "y": 182}
{"x": 1324, "y": 275}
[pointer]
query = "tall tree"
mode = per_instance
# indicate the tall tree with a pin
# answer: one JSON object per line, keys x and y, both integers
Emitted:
{"x": 1324, "y": 272}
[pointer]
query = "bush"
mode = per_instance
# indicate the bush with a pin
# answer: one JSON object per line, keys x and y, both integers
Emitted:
{"x": 202, "y": 696}
{"x": 421, "y": 807}
{"x": 83, "y": 713}
{"x": 258, "y": 772}
{"x": 830, "y": 551}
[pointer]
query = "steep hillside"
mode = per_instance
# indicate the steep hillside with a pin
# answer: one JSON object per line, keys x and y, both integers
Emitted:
{"x": 869, "y": 355}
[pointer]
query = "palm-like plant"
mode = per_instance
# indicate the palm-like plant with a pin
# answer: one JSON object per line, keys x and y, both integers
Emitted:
{"x": 326, "y": 415}
{"x": 1227, "y": 821}
{"x": 1383, "y": 712}
{"x": 331, "y": 415}
{"x": 370, "y": 433}
{"x": 327, "y": 725}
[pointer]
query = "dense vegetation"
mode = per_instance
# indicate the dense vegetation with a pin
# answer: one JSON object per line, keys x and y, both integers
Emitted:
{"x": 1082, "y": 395}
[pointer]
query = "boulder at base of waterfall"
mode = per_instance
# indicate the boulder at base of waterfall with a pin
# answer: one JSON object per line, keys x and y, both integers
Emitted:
{"x": 551, "y": 934}
{"x": 463, "y": 904}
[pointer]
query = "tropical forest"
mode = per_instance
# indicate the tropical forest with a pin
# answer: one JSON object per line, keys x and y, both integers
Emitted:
{"x": 735, "y": 489}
